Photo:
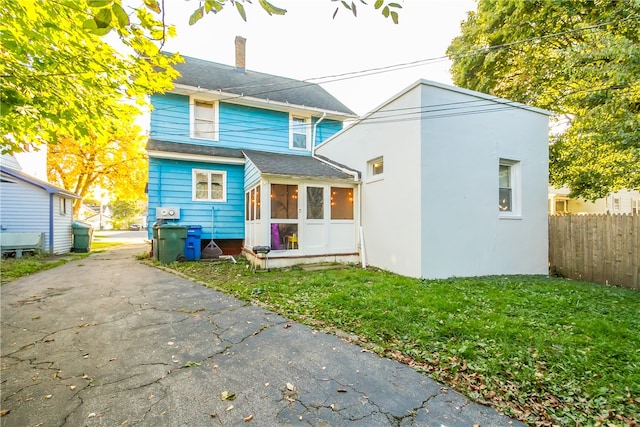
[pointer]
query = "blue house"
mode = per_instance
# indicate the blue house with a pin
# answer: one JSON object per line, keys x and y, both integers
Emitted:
{"x": 232, "y": 150}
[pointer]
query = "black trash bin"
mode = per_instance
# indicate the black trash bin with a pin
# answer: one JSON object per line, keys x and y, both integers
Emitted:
{"x": 82, "y": 236}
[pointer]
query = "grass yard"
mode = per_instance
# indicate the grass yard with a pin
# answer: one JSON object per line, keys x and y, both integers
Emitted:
{"x": 547, "y": 351}
{"x": 13, "y": 268}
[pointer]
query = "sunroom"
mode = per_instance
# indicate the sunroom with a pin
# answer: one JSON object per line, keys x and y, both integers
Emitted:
{"x": 303, "y": 208}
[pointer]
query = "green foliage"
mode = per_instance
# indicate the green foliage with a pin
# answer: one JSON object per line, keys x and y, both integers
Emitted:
{"x": 547, "y": 351}
{"x": 14, "y": 268}
{"x": 579, "y": 59}
{"x": 60, "y": 79}
{"x": 215, "y": 6}
{"x": 125, "y": 210}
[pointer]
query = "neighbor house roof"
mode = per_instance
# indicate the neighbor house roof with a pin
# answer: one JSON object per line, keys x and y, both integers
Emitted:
{"x": 49, "y": 188}
{"x": 294, "y": 165}
{"x": 224, "y": 78}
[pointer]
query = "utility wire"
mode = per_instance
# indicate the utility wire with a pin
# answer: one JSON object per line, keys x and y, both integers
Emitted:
{"x": 295, "y": 84}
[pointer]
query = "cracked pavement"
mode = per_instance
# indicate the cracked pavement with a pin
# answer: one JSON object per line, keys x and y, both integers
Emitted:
{"x": 110, "y": 341}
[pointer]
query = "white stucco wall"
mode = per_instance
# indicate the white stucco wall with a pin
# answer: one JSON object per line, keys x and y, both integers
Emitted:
{"x": 435, "y": 214}
{"x": 390, "y": 214}
{"x": 463, "y": 233}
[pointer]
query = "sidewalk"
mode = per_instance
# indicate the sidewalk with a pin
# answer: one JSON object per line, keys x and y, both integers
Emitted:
{"x": 109, "y": 341}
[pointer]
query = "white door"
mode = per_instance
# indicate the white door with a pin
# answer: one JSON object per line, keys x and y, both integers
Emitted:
{"x": 314, "y": 233}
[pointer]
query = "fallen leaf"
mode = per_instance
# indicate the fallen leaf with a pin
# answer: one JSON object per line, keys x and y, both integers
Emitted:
{"x": 290, "y": 387}
{"x": 72, "y": 387}
{"x": 290, "y": 399}
{"x": 48, "y": 396}
{"x": 342, "y": 390}
{"x": 4, "y": 412}
{"x": 213, "y": 415}
{"x": 229, "y": 408}
{"x": 227, "y": 395}
{"x": 247, "y": 419}
{"x": 266, "y": 384}
{"x": 91, "y": 415}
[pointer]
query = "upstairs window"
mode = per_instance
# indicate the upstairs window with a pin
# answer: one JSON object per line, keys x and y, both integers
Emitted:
{"x": 204, "y": 119}
{"x": 209, "y": 186}
{"x": 300, "y": 134}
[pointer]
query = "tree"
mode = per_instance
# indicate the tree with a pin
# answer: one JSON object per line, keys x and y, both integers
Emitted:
{"x": 60, "y": 79}
{"x": 123, "y": 211}
{"x": 116, "y": 162}
{"x": 579, "y": 59}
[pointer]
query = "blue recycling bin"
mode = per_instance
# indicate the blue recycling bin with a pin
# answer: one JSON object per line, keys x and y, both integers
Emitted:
{"x": 192, "y": 244}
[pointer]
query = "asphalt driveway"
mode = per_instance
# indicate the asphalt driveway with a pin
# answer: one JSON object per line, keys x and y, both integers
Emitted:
{"x": 110, "y": 341}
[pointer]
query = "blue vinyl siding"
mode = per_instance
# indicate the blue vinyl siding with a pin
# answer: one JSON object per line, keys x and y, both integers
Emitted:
{"x": 251, "y": 175}
{"x": 170, "y": 184}
{"x": 240, "y": 126}
{"x": 170, "y": 118}
{"x": 326, "y": 129}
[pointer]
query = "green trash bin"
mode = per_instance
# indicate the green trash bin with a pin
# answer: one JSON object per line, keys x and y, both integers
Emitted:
{"x": 171, "y": 239}
{"x": 82, "y": 235}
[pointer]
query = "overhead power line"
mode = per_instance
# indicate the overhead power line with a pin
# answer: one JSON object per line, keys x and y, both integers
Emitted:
{"x": 295, "y": 84}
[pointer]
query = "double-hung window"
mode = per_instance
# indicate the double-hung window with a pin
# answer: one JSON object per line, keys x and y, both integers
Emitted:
{"x": 300, "y": 133}
{"x": 209, "y": 185}
{"x": 509, "y": 188}
{"x": 204, "y": 119}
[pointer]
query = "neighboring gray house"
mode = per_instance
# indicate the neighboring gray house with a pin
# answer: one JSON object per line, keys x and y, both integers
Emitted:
{"x": 30, "y": 205}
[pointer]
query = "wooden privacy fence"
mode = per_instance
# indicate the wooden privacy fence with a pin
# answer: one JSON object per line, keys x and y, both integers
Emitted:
{"x": 596, "y": 248}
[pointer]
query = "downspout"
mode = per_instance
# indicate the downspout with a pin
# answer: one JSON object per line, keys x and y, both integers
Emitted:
{"x": 313, "y": 136}
{"x": 51, "y": 223}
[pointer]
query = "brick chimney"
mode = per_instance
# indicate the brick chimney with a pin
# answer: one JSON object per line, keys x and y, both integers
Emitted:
{"x": 240, "y": 54}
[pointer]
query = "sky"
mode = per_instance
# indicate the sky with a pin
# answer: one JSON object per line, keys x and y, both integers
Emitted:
{"x": 307, "y": 43}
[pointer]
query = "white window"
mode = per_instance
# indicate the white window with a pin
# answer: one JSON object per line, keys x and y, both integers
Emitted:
{"x": 509, "y": 188}
{"x": 63, "y": 206}
{"x": 209, "y": 185}
{"x": 562, "y": 205}
{"x": 375, "y": 168}
{"x": 204, "y": 119}
{"x": 300, "y": 133}
{"x": 616, "y": 204}
{"x": 635, "y": 207}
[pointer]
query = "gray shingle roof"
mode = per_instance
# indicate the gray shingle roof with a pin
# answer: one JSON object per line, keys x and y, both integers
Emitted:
{"x": 267, "y": 163}
{"x": 202, "y": 150}
{"x": 292, "y": 165}
{"x": 213, "y": 76}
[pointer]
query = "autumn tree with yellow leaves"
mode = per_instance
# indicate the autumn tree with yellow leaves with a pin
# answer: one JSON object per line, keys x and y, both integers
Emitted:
{"x": 115, "y": 162}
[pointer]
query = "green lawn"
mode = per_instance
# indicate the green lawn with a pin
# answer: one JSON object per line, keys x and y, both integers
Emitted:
{"x": 543, "y": 350}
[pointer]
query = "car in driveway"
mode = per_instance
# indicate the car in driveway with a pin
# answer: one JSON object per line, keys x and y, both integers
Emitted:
{"x": 135, "y": 227}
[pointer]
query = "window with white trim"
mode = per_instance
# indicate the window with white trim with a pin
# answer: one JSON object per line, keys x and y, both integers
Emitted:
{"x": 63, "y": 206}
{"x": 209, "y": 185}
{"x": 204, "y": 119}
{"x": 300, "y": 133}
{"x": 509, "y": 187}
{"x": 375, "y": 168}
